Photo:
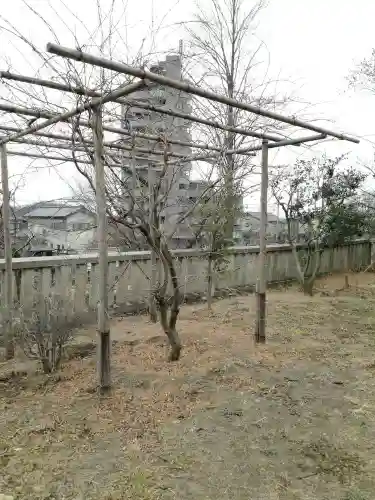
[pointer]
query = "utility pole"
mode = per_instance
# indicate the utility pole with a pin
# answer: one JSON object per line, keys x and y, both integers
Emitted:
{"x": 260, "y": 330}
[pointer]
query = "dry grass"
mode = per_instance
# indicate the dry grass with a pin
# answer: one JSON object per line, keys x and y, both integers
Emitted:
{"x": 291, "y": 420}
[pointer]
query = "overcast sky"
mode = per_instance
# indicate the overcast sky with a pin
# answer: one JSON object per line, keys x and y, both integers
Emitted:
{"x": 311, "y": 43}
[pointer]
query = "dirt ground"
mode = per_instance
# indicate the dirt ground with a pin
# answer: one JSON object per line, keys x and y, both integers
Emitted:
{"x": 294, "y": 419}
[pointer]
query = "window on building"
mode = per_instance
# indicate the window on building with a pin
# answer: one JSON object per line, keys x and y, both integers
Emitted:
{"x": 79, "y": 226}
{"x": 57, "y": 225}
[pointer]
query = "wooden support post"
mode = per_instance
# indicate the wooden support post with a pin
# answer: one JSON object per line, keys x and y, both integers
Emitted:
{"x": 8, "y": 295}
{"x": 153, "y": 272}
{"x": 104, "y": 345}
{"x": 260, "y": 331}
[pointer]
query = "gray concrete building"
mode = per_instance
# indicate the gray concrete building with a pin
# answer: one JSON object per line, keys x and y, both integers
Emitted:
{"x": 180, "y": 191}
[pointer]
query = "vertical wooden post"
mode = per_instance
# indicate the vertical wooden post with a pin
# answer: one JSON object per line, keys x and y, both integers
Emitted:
{"x": 153, "y": 276}
{"x": 278, "y": 232}
{"x": 8, "y": 295}
{"x": 260, "y": 331}
{"x": 104, "y": 345}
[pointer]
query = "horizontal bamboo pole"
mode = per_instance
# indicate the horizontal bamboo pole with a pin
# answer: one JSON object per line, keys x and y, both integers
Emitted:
{"x": 76, "y": 111}
{"x": 68, "y": 147}
{"x": 156, "y": 109}
{"x": 82, "y": 91}
{"x": 291, "y": 142}
{"x": 47, "y": 157}
{"x": 254, "y": 149}
{"x": 110, "y": 145}
{"x": 81, "y": 56}
{"x": 19, "y": 110}
{"x": 62, "y": 159}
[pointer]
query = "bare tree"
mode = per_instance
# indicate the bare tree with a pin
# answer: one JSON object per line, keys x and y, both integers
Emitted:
{"x": 225, "y": 55}
{"x": 135, "y": 207}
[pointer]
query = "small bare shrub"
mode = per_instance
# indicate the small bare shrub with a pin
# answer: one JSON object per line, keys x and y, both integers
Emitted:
{"x": 47, "y": 347}
{"x": 45, "y": 336}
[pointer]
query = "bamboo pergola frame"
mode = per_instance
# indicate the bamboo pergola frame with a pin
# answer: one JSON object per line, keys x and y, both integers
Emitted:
{"x": 99, "y": 147}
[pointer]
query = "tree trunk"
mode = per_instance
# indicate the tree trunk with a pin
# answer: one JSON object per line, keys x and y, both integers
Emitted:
{"x": 44, "y": 357}
{"x": 175, "y": 344}
{"x": 308, "y": 287}
{"x": 152, "y": 309}
{"x": 230, "y": 122}
{"x": 169, "y": 328}
{"x": 307, "y": 282}
{"x": 46, "y": 365}
{"x": 209, "y": 283}
{"x": 173, "y": 336}
{"x": 346, "y": 282}
{"x": 300, "y": 273}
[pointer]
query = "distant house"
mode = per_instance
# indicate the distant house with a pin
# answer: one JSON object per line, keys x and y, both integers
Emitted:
{"x": 52, "y": 226}
{"x": 248, "y": 225}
